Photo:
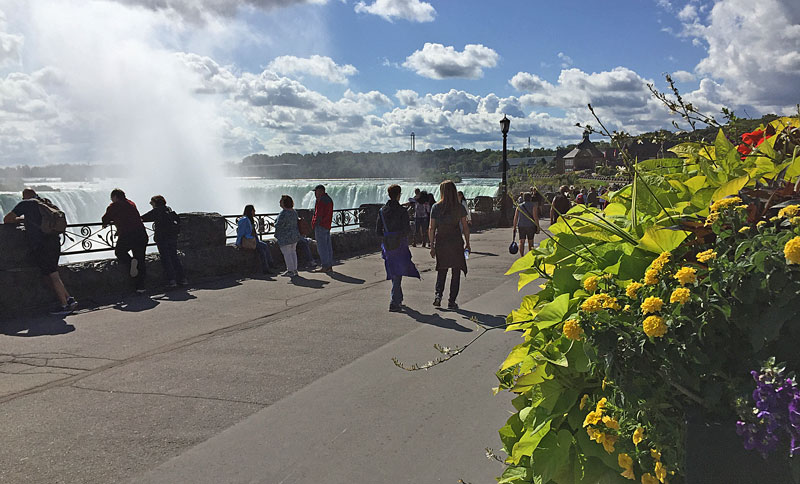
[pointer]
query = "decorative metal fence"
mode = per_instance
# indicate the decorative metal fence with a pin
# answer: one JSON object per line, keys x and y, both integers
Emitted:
{"x": 93, "y": 237}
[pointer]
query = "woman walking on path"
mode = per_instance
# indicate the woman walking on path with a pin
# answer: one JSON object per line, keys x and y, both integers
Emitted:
{"x": 287, "y": 234}
{"x": 246, "y": 238}
{"x": 526, "y": 220}
{"x": 393, "y": 226}
{"x": 448, "y": 222}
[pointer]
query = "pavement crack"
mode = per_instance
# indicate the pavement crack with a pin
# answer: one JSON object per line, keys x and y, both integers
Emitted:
{"x": 172, "y": 395}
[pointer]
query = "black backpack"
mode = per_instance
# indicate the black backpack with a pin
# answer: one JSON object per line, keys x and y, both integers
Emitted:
{"x": 173, "y": 222}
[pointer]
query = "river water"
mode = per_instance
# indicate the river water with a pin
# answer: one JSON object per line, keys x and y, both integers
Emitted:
{"x": 85, "y": 202}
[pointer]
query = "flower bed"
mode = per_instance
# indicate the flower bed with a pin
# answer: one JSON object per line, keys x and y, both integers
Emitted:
{"x": 664, "y": 301}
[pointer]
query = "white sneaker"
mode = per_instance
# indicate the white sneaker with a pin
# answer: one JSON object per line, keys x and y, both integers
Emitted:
{"x": 134, "y": 267}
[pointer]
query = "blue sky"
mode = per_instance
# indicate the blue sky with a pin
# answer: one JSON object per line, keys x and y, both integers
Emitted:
{"x": 117, "y": 80}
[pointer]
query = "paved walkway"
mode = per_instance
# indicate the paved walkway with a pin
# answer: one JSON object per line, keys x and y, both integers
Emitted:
{"x": 263, "y": 381}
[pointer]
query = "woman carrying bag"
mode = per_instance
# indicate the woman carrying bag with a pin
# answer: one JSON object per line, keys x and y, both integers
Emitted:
{"x": 448, "y": 222}
{"x": 526, "y": 219}
{"x": 246, "y": 238}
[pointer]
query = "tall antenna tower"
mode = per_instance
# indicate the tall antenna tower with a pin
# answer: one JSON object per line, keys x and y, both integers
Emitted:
{"x": 413, "y": 142}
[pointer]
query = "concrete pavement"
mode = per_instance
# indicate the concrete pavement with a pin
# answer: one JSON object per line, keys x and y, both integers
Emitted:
{"x": 263, "y": 381}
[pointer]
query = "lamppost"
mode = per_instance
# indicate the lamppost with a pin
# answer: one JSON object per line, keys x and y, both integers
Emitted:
{"x": 505, "y": 220}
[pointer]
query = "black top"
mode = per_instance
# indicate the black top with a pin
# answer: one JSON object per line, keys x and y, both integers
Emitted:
{"x": 29, "y": 209}
{"x": 449, "y": 244}
{"x": 165, "y": 223}
{"x": 396, "y": 217}
{"x": 448, "y": 219}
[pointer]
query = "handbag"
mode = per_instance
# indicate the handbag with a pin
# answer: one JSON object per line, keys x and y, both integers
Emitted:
{"x": 513, "y": 248}
{"x": 249, "y": 244}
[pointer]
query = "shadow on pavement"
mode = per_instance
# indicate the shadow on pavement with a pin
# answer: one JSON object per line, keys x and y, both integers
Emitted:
{"x": 436, "y": 320}
{"x": 345, "y": 278}
{"x": 136, "y": 304}
{"x": 175, "y": 295}
{"x": 52, "y": 326}
{"x": 488, "y": 320}
{"x": 312, "y": 283}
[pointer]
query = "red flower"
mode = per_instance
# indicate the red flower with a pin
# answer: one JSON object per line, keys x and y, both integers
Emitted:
{"x": 744, "y": 150}
{"x": 755, "y": 138}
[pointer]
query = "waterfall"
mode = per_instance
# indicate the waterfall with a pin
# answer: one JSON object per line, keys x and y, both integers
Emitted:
{"x": 86, "y": 202}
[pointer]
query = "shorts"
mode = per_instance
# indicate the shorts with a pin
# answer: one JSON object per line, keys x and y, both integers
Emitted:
{"x": 46, "y": 255}
{"x": 528, "y": 232}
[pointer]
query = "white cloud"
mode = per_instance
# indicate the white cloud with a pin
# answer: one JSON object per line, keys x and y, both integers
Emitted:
{"x": 566, "y": 60}
{"x": 754, "y": 56}
{"x": 200, "y": 10}
{"x": 316, "y": 65}
{"x": 412, "y": 10}
{"x": 407, "y": 97}
{"x": 10, "y": 44}
{"x": 683, "y": 76}
{"x": 439, "y": 62}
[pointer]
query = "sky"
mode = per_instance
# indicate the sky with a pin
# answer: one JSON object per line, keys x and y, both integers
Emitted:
{"x": 216, "y": 80}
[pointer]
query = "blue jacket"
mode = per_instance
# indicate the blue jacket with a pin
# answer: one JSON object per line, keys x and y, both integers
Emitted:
{"x": 286, "y": 232}
{"x": 244, "y": 229}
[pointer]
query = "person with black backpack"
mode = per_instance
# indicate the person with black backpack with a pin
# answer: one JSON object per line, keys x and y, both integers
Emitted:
{"x": 44, "y": 224}
{"x": 167, "y": 226}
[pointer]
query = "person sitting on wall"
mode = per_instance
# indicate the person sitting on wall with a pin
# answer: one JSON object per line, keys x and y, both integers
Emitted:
{"x": 167, "y": 226}
{"x": 44, "y": 248}
{"x": 131, "y": 236}
{"x": 246, "y": 239}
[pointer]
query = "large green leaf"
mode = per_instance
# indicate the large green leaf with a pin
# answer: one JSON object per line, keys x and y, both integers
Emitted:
{"x": 529, "y": 441}
{"x": 660, "y": 239}
{"x": 524, "y": 262}
{"x": 526, "y": 382}
{"x": 552, "y": 455}
{"x": 553, "y": 312}
{"x": 731, "y": 187}
{"x": 517, "y": 354}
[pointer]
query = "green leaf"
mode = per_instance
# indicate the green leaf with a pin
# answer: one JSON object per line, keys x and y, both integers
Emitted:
{"x": 659, "y": 239}
{"x": 526, "y": 382}
{"x": 526, "y": 277}
{"x": 553, "y": 312}
{"x": 517, "y": 354}
{"x": 552, "y": 454}
{"x": 529, "y": 441}
{"x": 524, "y": 262}
{"x": 730, "y": 188}
{"x": 563, "y": 280}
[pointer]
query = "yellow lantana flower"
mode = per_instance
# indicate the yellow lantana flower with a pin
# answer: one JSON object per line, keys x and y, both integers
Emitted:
{"x": 744, "y": 229}
{"x": 654, "y": 326}
{"x": 628, "y": 474}
{"x": 789, "y": 211}
{"x": 573, "y": 330}
{"x": 608, "y": 442}
{"x": 590, "y": 284}
{"x": 660, "y": 261}
{"x": 611, "y": 303}
{"x": 649, "y": 479}
{"x": 592, "y": 418}
{"x": 630, "y": 291}
{"x": 686, "y": 275}
{"x": 661, "y": 472}
{"x": 593, "y": 433}
{"x": 625, "y": 461}
{"x": 638, "y": 435}
{"x": 712, "y": 217}
{"x": 761, "y": 224}
{"x": 651, "y": 277}
{"x": 792, "y": 251}
{"x": 627, "y": 308}
{"x": 724, "y": 203}
{"x": 601, "y": 405}
{"x": 706, "y": 255}
{"x": 584, "y": 399}
{"x": 593, "y": 303}
{"x": 774, "y": 219}
{"x": 795, "y": 220}
{"x": 680, "y": 295}
{"x": 652, "y": 305}
{"x": 656, "y": 455}
{"x": 611, "y": 423}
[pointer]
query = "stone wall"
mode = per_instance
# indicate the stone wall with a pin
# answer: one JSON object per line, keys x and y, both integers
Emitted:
{"x": 205, "y": 254}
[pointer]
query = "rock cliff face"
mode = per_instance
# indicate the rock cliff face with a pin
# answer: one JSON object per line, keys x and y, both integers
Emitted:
{"x": 205, "y": 254}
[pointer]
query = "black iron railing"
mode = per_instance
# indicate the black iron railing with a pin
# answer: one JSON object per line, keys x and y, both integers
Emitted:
{"x": 93, "y": 237}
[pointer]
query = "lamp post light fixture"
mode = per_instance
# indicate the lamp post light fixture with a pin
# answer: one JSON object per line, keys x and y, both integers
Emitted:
{"x": 505, "y": 220}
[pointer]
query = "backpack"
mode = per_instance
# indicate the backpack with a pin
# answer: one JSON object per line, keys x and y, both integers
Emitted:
{"x": 173, "y": 222}
{"x": 54, "y": 221}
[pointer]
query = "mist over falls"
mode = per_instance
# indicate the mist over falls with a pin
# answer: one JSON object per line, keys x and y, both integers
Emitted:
{"x": 86, "y": 202}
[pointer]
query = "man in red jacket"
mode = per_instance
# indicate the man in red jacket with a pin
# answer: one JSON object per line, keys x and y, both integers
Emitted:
{"x": 323, "y": 216}
{"x": 131, "y": 235}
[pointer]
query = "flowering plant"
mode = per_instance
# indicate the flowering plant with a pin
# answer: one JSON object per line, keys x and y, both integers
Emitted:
{"x": 663, "y": 301}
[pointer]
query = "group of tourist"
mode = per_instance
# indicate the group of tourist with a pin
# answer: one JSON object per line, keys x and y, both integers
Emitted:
{"x": 444, "y": 223}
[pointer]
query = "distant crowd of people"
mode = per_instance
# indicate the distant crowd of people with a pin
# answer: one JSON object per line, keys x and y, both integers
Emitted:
{"x": 443, "y": 226}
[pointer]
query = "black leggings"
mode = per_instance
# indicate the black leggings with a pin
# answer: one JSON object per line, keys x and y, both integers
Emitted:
{"x": 455, "y": 283}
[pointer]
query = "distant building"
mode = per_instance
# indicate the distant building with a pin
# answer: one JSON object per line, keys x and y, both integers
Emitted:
{"x": 583, "y": 157}
{"x": 529, "y": 161}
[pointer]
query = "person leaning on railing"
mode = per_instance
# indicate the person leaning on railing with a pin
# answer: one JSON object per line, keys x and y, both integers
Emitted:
{"x": 246, "y": 239}
{"x": 167, "y": 226}
{"x": 44, "y": 248}
{"x": 131, "y": 236}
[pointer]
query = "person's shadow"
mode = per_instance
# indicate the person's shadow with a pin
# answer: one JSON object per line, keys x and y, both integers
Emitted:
{"x": 436, "y": 320}
{"x": 177, "y": 295}
{"x": 311, "y": 283}
{"x": 337, "y": 276}
{"x": 39, "y": 327}
{"x": 136, "y": 305}
{"x": 496, "y": 321}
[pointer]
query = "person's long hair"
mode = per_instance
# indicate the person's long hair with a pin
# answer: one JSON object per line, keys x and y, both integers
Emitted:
{"x": 448, "y": 195}
{"x": 249, "y": 211}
